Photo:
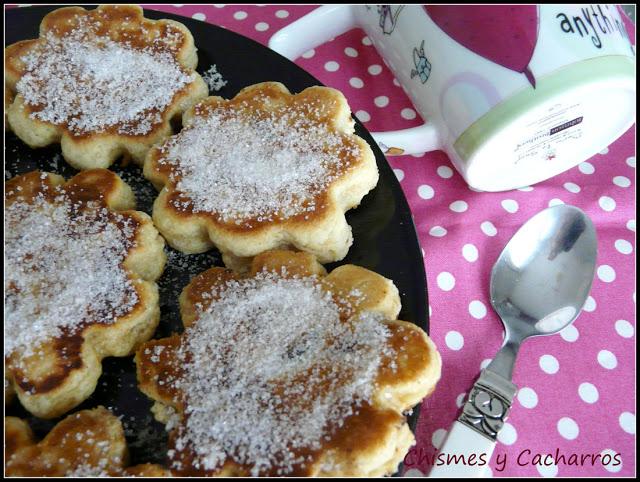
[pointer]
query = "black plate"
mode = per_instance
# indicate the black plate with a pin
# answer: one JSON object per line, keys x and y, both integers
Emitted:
{"x": 383, "y": 229}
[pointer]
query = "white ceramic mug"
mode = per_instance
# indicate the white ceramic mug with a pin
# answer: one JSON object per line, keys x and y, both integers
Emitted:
{"x": 513, "y": 94}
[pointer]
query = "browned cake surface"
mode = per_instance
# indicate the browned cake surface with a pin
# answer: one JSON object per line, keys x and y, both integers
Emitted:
{"x": 103, "y": 82}
{"x": 79, "y": 285}
{"x": 288, "y": 371}
{"x": 266, "y": 169}
{"x": 89, "y": 443}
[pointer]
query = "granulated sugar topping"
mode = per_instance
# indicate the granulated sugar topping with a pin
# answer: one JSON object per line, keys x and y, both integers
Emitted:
{"x": 92, "y": 83}
{"x": 88, "y": 470}
{"x": 62, "y": 268}
{"x": 271, "y": 370}
{"x": 264, "y": 166}
{"x": 214, "y": 79}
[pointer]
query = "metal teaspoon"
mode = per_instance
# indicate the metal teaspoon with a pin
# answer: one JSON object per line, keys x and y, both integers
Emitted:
{"x": 539, "y": 285}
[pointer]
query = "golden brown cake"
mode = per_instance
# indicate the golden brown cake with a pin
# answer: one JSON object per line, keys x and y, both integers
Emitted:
{"x": 104, "y": 83}
{"x": 88, "y": 443}
{"x": 288, "y": 371}
{"x": 264, "y": 170}
{"x": 80, "y": 272}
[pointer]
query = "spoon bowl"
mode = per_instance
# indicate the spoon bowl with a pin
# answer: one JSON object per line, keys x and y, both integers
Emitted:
{"x": 543, "y": 276}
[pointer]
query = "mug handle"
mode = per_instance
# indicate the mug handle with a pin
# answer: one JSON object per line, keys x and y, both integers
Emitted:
{"x": 328, "y": 22}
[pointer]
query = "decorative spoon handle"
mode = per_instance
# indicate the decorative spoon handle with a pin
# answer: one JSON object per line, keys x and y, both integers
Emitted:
{"x": 488, "y": 404}
{"x": 472, "y": 438}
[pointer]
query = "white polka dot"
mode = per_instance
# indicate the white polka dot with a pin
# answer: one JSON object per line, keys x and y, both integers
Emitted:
{"x": 366, "y": 40}
{"x": 614, "y": 463}
{"x": 381, "y": 101}
{"x": 425, "y": 191}
{"x": 477, "y": 309}
{"x": 282, "y": 14}
{"x": 413, "y": 473}
{"x": 508, "y": 434}
{"x": 418, "y": 154}
{"x": 262, "y": 26}
{"x": 588, "y": 392}
{"x": 309, "y": 53}
{"x": 570, "y": 333}
{"x": 586, "y": 168}
{"x": 199, "y": 16}
{"x": 454, "y": 340}
{"x": 219, "y": 5}
{"x": 178, "y": 5}
{"x": 549, "y": 364}
{"x": 240, "y": 15}
{"x": 631, "y": 161}
{"x": 547, "y": 470}
{"x": 485, "y": 363}
{"x": 351, "y": 52}
{"x": 628, "y": 422}
{"x": 572, "y": 187}
{"x": 470, "y": 252}
{"x": 606, "y": 273}
{"x": 621, "y": 181}
{"x": 631, "y": 225}
{"x": 525, "y": 189}
{"x": 331, "y": 66}
{"x": 607, "y": 359}
{"x": 607, "y": 203}
{"x": 356, "y": 82}
{"x": 446, "y": 281}
{"x": 399, "y": 174}
{"x": 363, "y": 116}
{"x": 408, "y": 114}
{"x": 590, "y": 304}
{"x": 527, "y": 397}
{"x": 488, "y": 228}
{"x": 461, "y": 399}
{"x": 458, "y": 206}
{"x": 624, "y": 328}
{"x": 438, "y": 437}
{"x": 604, "y": 151}
{"x": 445, "y": 172}
{"x": 568, "y": 428}
{"x": 374, "y": 69}
{"x": 510, "y": 205}
{"x": 437, "y": 231}
{"x": 555, "y": 202}
{"x": 623, "y": 246}
{"x": 395, "y": 82}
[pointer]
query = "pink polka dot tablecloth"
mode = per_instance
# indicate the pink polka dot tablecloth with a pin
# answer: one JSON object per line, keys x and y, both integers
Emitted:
{"x": 577, "y": 388}
{"x": 576, "y": 394}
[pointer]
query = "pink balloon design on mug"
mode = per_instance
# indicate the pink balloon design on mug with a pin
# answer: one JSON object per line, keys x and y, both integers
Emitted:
{"x": 504, "y": 34}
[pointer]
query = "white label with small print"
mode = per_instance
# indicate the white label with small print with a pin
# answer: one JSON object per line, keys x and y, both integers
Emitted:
{"x": 560, "y": 124}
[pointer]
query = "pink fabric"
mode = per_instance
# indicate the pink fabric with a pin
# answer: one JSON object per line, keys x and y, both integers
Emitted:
{"x": 467, "y": 341}
{"x": 577, "y": 390}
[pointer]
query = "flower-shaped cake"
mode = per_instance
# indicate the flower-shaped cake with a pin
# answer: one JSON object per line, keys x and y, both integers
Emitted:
{"x": 264, "y": 170}
{"x": 80, "y": 272}
{"x": 288, "y": 371}
{"x": 103, "y": 83}
{"x": 88, "y": 443}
